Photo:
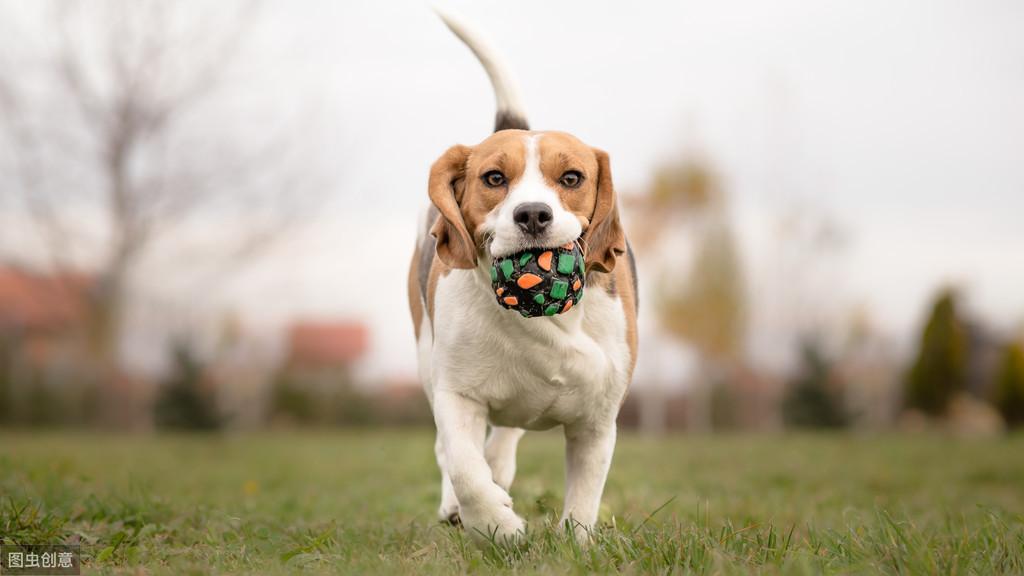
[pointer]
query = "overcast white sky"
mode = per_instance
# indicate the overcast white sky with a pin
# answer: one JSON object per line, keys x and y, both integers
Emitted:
{"x": 902, "y": 122}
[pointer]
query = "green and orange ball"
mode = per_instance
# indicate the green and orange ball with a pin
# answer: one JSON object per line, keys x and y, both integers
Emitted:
{"x": 539, "y": 281}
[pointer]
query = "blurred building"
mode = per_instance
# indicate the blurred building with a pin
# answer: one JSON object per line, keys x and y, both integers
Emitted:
{"x": 326, "y": 349}
{"x": 317, "y": 380}
{"x": 42, "y": 318}
{"x": 43, "y": 341}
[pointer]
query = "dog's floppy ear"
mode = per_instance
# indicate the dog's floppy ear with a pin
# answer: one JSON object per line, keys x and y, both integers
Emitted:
{"x": 455, "y": 244}
{"x": 604, "y": 239}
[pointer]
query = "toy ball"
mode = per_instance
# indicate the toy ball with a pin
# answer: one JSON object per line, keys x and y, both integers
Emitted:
{"x": 539, "y": 281}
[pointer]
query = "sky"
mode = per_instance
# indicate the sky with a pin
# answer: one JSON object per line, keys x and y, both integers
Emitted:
{"x": 899, "y": 123}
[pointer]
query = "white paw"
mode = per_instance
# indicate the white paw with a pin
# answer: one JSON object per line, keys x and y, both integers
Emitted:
{"x": 583, "y": 533}
{"x": 494, "y": 521}
{"x": 449, "y": 514}
{"x": 449, "y": 509}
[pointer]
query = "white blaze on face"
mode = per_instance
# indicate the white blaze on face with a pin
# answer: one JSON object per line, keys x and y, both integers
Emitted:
{"x": 508, "y": 238}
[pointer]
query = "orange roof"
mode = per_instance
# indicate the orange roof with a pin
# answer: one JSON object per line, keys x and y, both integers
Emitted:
{"x": 30, "y": 301}
{"x": 327, "y": 343}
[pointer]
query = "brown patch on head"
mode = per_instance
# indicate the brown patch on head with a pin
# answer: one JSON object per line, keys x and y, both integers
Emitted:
{"x": 458, "y": 190}
{"x": 504, "y": 152}
{"x": 593, "y": 200}
{"x": 561, "y": 153}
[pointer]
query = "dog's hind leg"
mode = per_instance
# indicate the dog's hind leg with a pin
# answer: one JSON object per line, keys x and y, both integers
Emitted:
{"x": 449, "y": 510}
{"x": 501, "y": 454}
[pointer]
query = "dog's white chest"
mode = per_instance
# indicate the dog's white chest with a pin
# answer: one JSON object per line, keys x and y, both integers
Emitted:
{"x": 532, "y": 373}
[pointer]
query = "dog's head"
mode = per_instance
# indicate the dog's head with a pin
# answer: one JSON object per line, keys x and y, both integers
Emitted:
{"x": 520, "y": 189}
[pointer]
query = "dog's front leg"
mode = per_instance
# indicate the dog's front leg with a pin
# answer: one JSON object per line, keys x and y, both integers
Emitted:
{"x": 588, "y": 455}
{"x": 485, "y": 508}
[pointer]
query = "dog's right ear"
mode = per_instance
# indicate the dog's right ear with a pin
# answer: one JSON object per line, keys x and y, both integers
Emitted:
{"x": 447, "y": 184}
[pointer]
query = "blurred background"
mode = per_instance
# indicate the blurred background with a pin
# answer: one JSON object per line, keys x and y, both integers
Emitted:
{"x": 207, "y": 209}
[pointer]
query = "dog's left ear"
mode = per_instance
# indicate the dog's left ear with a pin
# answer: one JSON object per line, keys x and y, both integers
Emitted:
{"x": 604, "y": 239}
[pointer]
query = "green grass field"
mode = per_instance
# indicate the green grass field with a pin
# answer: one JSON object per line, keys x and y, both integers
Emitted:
{"x": 364, "y": 502}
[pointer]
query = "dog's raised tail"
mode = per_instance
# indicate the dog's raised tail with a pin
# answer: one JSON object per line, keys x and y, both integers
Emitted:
{"x": 510, "y": 113}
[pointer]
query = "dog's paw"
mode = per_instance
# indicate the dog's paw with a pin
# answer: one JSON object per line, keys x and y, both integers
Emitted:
{"x": 449, "y": 514}
{"x": 582, "y": 533}
{"x": 496, "y": 523}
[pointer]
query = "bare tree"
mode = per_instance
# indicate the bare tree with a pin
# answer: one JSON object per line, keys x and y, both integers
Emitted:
{"x": 115, "y": 142}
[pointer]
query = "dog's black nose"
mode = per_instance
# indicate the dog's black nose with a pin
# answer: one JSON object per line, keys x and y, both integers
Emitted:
{"x": 533, "y": 217}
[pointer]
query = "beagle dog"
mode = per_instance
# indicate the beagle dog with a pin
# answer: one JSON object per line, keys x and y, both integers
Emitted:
{"x": 485, "y": 366}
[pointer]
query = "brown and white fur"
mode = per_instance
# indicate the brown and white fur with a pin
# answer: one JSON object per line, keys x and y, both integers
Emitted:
{"x": 484, "y": 365}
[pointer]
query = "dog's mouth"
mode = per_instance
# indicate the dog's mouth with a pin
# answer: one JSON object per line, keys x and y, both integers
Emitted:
{"x": 524, "y": 243}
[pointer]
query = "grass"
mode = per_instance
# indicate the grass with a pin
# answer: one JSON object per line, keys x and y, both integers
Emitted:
{"x": 364, "y": 502}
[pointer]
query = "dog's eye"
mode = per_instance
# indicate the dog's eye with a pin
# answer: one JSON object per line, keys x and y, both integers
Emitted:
{"x": 494, "y": 179}
{"x": 571, "y": 179}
